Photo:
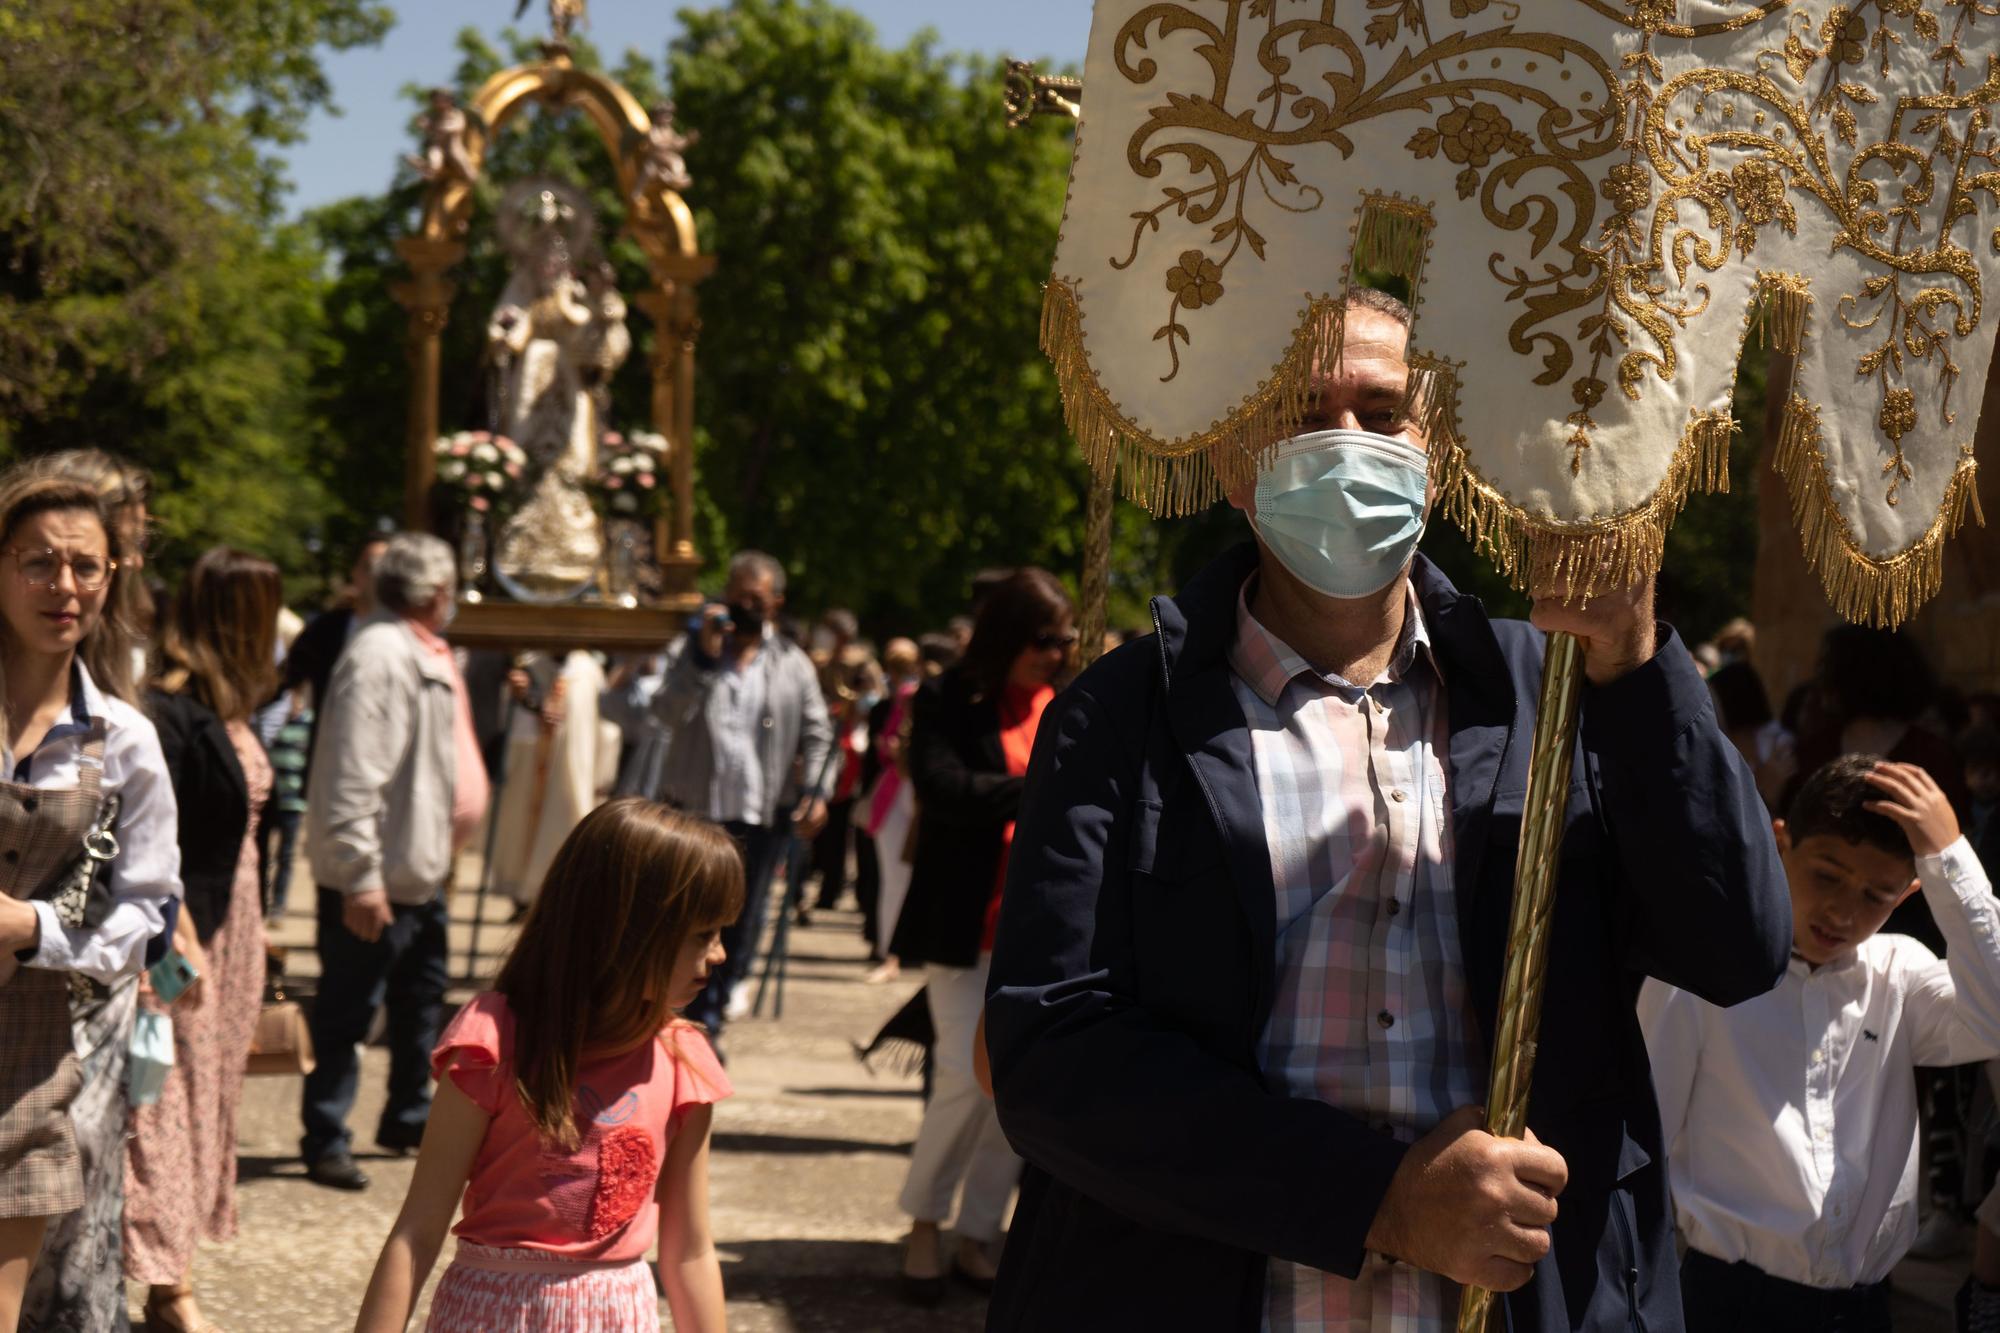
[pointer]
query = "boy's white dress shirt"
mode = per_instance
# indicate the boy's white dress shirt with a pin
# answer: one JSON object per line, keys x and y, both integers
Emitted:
{"x": 1791, "y": 1120}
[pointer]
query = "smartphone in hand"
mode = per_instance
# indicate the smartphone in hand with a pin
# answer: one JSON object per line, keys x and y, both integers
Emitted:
{"x": 171, "y": 977}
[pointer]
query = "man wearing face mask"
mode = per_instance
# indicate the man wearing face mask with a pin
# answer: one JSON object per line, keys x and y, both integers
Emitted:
{"x": 750, "y": 736}
{"x": 1250, "y": 953}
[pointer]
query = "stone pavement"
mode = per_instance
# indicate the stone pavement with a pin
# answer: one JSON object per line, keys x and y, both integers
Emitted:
{"x": 808, "y": 1157}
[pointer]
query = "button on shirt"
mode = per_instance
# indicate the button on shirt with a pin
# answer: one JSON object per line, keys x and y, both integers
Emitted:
{"x": 1791, "y": 1119}
{"x": 1371, "y": 1013}
{"x": 146, "y": 873}
{"x": 736, "y": 708}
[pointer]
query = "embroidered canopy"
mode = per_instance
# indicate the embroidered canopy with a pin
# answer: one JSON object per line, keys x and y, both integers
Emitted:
{"x": 1593, "y": 205}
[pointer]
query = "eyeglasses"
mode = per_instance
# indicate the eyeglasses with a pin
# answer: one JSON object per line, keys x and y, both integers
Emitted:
{"x": 40, "y": 567}
{"x": 1050, "y": 642}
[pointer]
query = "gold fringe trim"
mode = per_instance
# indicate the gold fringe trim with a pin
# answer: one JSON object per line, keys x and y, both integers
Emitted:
{"x": 1784, "y": 304}
{"x": 1393, "y": 236}
{"x": 1184, "y": 476}
{"x": 1171, "y": 478}
{"x": 1862, "y": 588}
{"x": 1430, "y": 399}
{"x": 1580, "y": 560}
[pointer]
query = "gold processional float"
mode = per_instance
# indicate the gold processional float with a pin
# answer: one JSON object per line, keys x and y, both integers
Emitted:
{"x": 1591, "y": 205}
{"x": 571, "y": 533}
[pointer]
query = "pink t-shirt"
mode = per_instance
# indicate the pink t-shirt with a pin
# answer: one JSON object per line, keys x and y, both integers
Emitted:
{"x": 598, "y": 1202}
{"x": 473, "y": 788}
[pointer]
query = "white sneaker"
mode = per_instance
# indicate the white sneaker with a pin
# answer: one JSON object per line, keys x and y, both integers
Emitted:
{"x": 739, "y": 1002}
{"x": 1942, "y": 1236}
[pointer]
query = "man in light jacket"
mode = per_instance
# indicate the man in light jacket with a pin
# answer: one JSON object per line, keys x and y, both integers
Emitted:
{"x": 750, "y": 737}
{"x": 398, "y": 786}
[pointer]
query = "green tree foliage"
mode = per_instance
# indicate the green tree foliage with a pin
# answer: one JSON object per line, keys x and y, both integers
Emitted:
{"x": 149, "y": 300}
{"x": 873, "y": 402}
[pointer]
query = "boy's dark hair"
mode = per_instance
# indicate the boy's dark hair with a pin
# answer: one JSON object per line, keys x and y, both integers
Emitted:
{"x": 1832, "y": 801}
{"x": 1980, "y": 747}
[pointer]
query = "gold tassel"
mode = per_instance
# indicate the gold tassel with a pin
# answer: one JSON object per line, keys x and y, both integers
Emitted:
{"x": 1784, "y": 303}
{"x": 1185, "y": 476}
{"x": 1860, "y": 587}
{"x": 1581, "y": 560}
{"x": 1393, "y": 236}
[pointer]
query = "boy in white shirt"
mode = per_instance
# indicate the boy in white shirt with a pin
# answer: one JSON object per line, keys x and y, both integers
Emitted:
{"x": 1790, "y": 1120}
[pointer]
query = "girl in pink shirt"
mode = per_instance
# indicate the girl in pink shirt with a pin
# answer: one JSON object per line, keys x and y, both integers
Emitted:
{"x": 573, "y": 1106}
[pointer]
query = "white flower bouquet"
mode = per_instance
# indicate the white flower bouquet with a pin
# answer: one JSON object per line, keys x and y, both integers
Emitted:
{"x": 483, "y": 471}
{"x": 631, "y": 477}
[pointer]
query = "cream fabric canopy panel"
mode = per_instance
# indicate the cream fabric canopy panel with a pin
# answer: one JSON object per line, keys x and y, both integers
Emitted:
{"x": 1595, "y": 203}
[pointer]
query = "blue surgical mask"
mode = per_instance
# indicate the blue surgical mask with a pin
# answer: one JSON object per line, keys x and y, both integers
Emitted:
{"x": 1342, "y": 509}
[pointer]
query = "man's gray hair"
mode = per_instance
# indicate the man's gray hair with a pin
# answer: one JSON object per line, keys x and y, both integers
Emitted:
{"x": 411, "y": 572}
{"x": 757, "y": 564}
{"x": 1368, "y": 298}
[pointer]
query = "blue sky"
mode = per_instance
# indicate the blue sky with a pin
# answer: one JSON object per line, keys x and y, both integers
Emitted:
{"x": 355, "y": 153}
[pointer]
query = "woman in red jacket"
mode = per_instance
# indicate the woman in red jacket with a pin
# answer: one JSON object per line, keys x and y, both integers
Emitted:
{"x": 972, "y": 731}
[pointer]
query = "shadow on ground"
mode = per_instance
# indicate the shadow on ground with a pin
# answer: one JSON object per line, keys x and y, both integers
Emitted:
{"x": 840, "y": 1286}
{"x": 785, "y": 1145}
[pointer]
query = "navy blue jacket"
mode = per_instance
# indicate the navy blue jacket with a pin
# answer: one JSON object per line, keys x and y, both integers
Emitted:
{"x": 1135, "y": 969}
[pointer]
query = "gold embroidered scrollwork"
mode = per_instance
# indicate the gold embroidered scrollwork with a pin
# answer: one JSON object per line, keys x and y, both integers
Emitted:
{"x": 1629, "y": 192}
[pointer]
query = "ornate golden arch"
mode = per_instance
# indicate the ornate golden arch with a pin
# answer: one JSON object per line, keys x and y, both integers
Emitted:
{"x": 659, "y": 221}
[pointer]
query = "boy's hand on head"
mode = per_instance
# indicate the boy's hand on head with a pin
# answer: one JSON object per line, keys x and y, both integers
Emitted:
{"x": 1919, "y": 807}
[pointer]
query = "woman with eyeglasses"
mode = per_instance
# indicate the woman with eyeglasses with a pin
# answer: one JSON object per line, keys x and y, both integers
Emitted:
{"x": 971, "y": 732}
{"x": 89, "y": 879}
{"x": 127, "y": 492}
{"x": 217, "y": 661}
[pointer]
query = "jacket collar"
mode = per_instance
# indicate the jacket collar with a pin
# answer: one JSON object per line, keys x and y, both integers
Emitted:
{"x": 1197, "y": 626}
{"x": 432, "y": 665}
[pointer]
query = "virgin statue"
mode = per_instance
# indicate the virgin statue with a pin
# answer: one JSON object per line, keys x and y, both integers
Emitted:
{"x": 553, "y": 343}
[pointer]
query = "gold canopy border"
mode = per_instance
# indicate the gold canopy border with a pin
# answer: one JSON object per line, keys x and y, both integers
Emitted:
{"x": 1170, "y": 478}
{"x": 1883, "y": 592}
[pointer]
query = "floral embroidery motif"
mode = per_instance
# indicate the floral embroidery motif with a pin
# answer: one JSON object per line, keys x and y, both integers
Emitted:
{"x": 1196, "y": 280}
{"x": 1703, "y": 164}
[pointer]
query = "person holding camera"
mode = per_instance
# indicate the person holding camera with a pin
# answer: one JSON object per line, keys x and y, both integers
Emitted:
{"x": 750, "y": 738}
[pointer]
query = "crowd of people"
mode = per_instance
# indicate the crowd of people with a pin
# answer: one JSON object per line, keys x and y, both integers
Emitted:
{"x": 171, "y": 753}
{"x": 1281, "y": 1104}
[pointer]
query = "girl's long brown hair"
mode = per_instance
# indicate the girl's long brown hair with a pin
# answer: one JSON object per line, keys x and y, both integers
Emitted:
{"x": 589, "y": 970}
{"x": 221, "y": 639}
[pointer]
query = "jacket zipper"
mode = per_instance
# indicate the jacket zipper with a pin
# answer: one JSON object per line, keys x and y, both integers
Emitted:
{"x": 1628, "y": 1251}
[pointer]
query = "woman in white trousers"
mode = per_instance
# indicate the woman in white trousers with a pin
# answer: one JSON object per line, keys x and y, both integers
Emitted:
{"x": 971, "y": 733}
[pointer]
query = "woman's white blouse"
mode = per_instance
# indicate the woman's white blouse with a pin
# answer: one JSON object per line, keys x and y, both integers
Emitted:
{"x": 146, "y": 875}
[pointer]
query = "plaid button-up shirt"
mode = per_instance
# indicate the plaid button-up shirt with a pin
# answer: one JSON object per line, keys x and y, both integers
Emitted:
{"x": 1371, "y": 1013}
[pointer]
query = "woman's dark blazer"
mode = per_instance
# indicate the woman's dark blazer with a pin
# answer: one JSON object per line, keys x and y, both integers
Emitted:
{"x": 214, "y": 801}
{"x": 965, "y": 800}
